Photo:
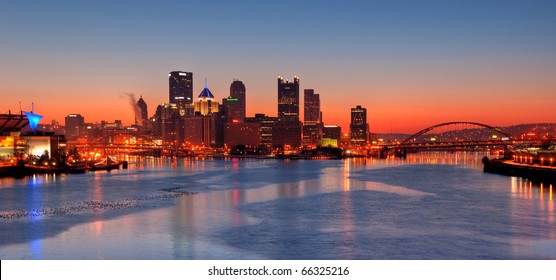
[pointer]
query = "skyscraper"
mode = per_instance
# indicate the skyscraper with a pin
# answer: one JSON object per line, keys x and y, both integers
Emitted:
{"x": 358, "y": 126}
{"x": 237, "y": 91}
{"x": 266, "y": 125}
{"x": 171, "y": 124}
{"x": 312, "y": 129}
{"x": 181, "y": 87}
{"x": 198, "y": 131}
{"x": 331, "y": 135}
{"x": 232, "y": 107}
{"x": 287, "y": 132}
{"x": 142, "y": 111}
{"x": 206, "y": 104}
{"x": 312, "y": 114}
{"x": 74, "y": 126}
{"x": 332, "y": 132}
{"x": 288, "y": 100}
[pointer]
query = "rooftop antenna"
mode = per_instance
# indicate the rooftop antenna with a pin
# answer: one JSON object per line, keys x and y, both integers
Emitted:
{"x": 20, "y": 110}
{"x": 32, "y": 117}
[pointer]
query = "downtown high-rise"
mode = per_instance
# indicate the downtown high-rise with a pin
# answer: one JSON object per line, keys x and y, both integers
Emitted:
{"x": 232, "y": 120}
{"x": 287, "y": 132}
{"x": 74, "y": 126}
{"x": 143, "y": 112}
{"x": 181, "y": 88}
{"x": 312, "y": 127}
{"x": 358, "y": 127}
{"x": 288, "y": 100}
{"x": 311, "y": 111}
{"x": 237, "y": 95}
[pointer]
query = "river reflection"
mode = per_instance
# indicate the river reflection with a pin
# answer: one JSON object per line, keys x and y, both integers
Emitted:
{"x": 430, "y": 206}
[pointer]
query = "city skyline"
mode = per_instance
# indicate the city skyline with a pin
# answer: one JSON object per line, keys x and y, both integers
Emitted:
{"x": 411, "y": 65}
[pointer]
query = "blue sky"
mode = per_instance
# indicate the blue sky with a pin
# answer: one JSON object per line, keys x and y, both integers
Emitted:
{"x": 426, "y": 57}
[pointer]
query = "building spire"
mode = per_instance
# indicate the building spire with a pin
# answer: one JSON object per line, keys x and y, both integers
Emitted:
{"x": 205, "y": 82}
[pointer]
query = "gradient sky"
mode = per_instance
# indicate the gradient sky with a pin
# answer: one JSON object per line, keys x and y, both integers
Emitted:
{"x": 412, "y": 64}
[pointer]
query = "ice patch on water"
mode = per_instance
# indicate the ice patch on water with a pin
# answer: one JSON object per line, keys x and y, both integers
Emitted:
{"x": 92, "y": 205}
{"x": 399, "y": 190}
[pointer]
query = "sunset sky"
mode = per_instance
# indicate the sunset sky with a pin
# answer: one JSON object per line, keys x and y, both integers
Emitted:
{"x": 412, "y": 64}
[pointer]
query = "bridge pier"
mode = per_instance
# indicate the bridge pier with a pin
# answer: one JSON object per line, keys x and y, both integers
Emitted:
{"x": 157, "y": 152}
{"x": 400, "y": 153}
{"x": 383, "y": 153}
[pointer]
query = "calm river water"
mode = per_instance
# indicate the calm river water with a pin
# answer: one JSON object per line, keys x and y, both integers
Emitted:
{"x": 430, "y": 206}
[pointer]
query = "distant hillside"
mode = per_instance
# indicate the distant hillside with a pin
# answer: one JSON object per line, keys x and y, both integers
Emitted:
{"x": 537, "y": 128}
{"x": 392, "y": 136}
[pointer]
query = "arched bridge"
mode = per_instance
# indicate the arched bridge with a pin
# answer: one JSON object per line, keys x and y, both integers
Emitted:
{"x": 450, "y": 135}
{"x": 459, "y": 132}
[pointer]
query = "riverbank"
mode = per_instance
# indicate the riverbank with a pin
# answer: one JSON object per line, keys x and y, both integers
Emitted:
{"x": 536, "y": 173}
{"x": 20, "y": 171}
{"x": 16, "y": 171}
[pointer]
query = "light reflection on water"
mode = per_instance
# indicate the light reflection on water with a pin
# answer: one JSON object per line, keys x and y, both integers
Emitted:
{"x": 432, "y": 206}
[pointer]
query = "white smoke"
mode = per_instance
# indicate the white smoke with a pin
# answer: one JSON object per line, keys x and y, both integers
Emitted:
{"x": 133, "y": 103}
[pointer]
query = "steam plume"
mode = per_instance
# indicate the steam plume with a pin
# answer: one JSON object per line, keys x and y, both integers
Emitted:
{"x": 134, "y": 108}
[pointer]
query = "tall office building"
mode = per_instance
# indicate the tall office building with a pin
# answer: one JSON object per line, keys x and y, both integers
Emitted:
{"x": 312, "y": 114}
{"x": 237, "y": 91}
{"x": 220, "y": 121}
{"x": 331, "y": 135}
{"x": 155, "y": 122}
{"x": 232, "y": 110}
{"x": 198, "y": 131}
{"x": 181, "y": 87}
{"x": 205, "y": 105}
{"x": 172, "y": 125}
{"x": 266, "y": 125}
{"x": 232, "y": 106}
{"x": 142, "y": 111}
{"x": 358, "y": 127}
{"x": 288, "y": 100}
{"x": 332, "y": 132}
{"x": 74, "y": 126}
{"x": 287, "y": 132}
{"x": 312, "y": 128}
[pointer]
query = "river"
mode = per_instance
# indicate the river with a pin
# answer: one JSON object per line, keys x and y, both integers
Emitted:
{"x": 429, "y": 206}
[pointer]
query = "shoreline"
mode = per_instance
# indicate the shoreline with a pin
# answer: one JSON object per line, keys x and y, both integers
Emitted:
{"x": 535, "y": 173}
{"x": 19, "y": 172}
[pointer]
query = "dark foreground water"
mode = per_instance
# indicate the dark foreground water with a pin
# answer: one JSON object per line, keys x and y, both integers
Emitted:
{"x": 434, "y": 206}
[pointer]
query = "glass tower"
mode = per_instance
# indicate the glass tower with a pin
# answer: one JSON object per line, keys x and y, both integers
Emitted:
{"x": 358, "y": 126}
{"x": 237, "y": 91}
{"x": 311, "y": 112}
{"x": 181, "y": 87}
{"x": 288, "y": 100}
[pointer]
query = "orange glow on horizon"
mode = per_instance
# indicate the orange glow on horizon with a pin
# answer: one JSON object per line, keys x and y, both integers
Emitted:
{"x": 400, "y": 110}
